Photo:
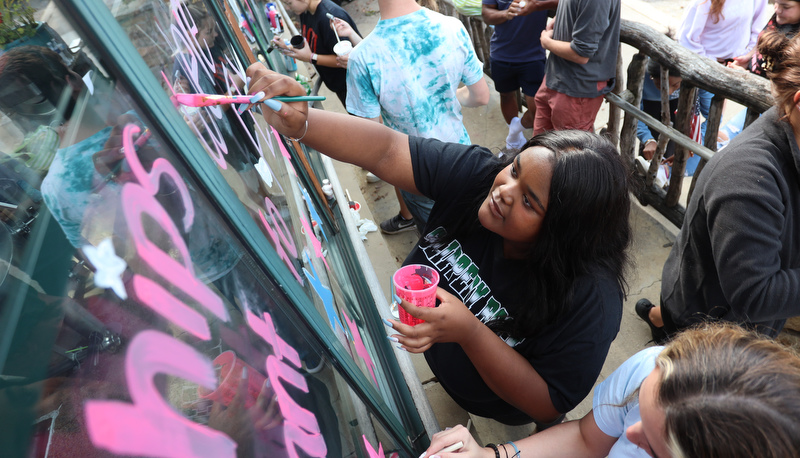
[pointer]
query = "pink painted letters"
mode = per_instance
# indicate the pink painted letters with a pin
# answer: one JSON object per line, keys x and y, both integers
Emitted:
{"x": 150, "y": 426}
{"x": 300, "y": 426}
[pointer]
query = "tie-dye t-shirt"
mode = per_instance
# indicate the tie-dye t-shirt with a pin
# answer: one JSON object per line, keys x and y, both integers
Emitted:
{"x": 73, "y": 185}
{"x": 86, "y": 205}
{"x": 407, "y": 71}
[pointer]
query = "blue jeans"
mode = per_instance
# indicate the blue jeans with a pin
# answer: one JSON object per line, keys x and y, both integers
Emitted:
{"x": 734, "y": 126}
{"x": 691, "y": 165}
{"x": 419, "y": 206}
{"x": 705, "y": 105}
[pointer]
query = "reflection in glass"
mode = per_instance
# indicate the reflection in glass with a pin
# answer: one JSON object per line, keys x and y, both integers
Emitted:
{"x": 120, "y": 284}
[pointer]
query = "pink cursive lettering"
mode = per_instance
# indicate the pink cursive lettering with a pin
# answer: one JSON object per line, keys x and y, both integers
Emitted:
{"x": 150, "y": 426}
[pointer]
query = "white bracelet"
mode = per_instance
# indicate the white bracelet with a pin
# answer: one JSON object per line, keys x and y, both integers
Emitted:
{"x": 301, "y": 137}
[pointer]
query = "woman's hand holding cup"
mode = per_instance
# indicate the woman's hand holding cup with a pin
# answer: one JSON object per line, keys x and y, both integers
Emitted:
{"x": 450, "y": 321}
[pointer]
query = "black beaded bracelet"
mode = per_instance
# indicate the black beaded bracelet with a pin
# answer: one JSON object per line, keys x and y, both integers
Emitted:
{"x": 494, "y": 447}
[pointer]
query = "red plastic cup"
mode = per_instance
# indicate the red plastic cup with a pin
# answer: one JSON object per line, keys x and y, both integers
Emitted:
{"x": 230, "y": 375}
{"x": 417, "y": 284}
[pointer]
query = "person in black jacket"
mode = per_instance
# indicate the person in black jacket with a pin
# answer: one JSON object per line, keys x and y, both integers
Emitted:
{"x": 736, "y": 257}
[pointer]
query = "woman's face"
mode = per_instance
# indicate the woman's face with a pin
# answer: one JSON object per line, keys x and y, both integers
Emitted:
{"x": 674, "y": 82}
{"x": 787, "y": 12}
{"x": 297, "y": 6}
{"x": 518, "y": 200}
{"x": 649, "y": 433}
{"x": 207, "y": 31}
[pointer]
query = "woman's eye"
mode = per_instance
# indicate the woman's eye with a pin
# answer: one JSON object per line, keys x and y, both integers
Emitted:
{"x": 513, "y": 171}
{"x": 526, "y": 201}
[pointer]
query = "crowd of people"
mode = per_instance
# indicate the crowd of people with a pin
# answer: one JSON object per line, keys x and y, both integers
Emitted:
{"x": 533, "y": 253}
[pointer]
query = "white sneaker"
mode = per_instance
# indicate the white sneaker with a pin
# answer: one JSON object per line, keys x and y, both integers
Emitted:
{"x": 642, "y": 165}
{"x": 662, "y": 174}
{"x": 372, "y": 178}
{"x": 515, "y": 138}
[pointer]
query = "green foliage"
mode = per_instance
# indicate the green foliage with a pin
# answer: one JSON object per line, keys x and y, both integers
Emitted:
{"x": 16, "y": 20}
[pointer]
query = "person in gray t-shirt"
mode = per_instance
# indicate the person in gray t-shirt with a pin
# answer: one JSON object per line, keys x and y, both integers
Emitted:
{"x": 583, "y": 41}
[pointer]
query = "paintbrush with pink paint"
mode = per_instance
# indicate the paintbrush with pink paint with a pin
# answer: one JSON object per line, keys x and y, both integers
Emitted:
{"x": 207, "y": 100}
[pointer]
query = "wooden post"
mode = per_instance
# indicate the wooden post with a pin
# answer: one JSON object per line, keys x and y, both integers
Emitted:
{"x": 752, "y": 115}
{"x": 613, "y": 126}
{"x": 713, "y": 121}
{"x": 666, "y": 119}
{"x": 476, "y": 33}
{"x": 712, "y": 131}
{"x": 487, "y": 39}
{"x": 683, "y": 123}
{"x": 481, "y": 41}
{"x": 627, "y": 138}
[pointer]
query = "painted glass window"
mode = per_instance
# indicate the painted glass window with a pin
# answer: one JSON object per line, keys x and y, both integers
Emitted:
{"x": 134, "y": 319}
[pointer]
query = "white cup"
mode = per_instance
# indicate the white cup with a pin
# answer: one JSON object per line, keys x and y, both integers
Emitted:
{"x": 343, "y": 48}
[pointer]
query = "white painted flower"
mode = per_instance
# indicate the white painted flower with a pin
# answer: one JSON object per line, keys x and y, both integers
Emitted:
{"x": 109, "y": 267}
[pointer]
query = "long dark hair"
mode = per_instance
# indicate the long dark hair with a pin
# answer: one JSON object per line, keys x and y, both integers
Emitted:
{"x": 585, "y": 230}
{"x": 28, "y": 69}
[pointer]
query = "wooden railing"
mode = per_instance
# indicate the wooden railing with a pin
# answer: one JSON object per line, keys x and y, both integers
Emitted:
{"x": 698, "y": 72}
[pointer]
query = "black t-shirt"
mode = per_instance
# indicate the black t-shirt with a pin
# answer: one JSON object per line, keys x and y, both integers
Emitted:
{"x": 316, "y": 28}
{"x": 568, "y": 355}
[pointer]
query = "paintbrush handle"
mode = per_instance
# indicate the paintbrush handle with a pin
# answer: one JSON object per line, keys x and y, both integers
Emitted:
{"x": 302, "y": 98}
{"x": 451, "y": 448}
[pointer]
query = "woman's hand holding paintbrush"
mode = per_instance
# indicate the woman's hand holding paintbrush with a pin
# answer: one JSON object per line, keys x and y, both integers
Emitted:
{"x": 288, "y": 118}
{"x": 456, "y": 441}
{"x": 207, "y": 100}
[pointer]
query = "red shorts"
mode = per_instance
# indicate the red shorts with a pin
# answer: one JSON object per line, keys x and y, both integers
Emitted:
{"x": 557, "y": 111}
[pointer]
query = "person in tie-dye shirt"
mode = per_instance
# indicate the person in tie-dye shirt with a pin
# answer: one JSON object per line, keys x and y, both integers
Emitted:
{"x": 407, "y": 72}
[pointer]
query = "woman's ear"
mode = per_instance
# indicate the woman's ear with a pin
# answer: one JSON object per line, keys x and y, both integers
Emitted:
{"x": 795, "y": 99}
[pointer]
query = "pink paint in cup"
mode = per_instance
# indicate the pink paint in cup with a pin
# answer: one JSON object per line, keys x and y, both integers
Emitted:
{"x": 417, "y": 284}
{"x": 230, "y": 375}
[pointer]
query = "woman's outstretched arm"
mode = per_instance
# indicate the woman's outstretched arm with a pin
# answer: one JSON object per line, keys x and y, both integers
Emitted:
{"x": 581, "y": 438}
{"x": 362, "y": 142}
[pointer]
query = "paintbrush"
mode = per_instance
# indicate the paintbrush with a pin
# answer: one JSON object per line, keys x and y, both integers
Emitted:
{"x": 448, "y": 449}
{"x": 206, "y": 100}
{"x": 333, "y": 18}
